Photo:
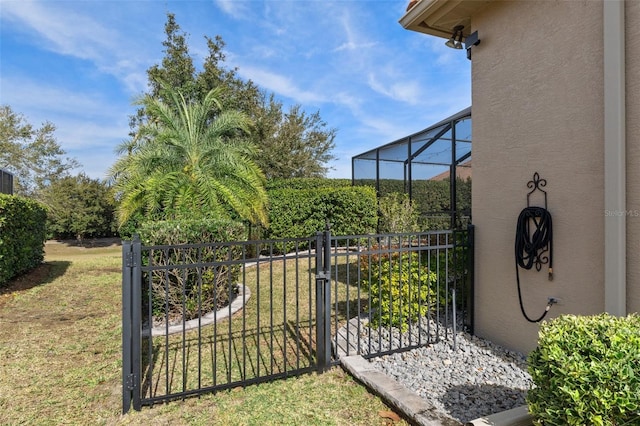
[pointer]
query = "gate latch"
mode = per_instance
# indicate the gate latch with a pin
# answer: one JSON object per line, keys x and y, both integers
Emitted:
{"x": 322, "y": 275}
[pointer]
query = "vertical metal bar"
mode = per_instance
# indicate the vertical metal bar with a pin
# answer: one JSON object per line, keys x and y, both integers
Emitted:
{"x": 126, "y": 325}
{"x": 167, "y": 262}
{"x": 455, "y": 328}
{"x": 258, "y": 329}
{"x": 452, "y": 178}
{"x": 271, "y": 306}
{"x": 410, "y": 171}
{"x": 136, "y": 318}
{"x": 327, "y": 296}
{"x": 150, "y": 356}
{"x": 310, "y": 312}
{"x": 185, "y": 278}
{"x": 230, "y": 250}
{"x": 244, "y": 303}
{"x": 320, "y": 351}
{"x": 199, "y": 270}
{"x": 333, "y": 312}
{"x": 348, "y": 304}
{"x": 216, "y": 273}
{"x": 297, "y": 305}
{"x": 447, "y": 250}
{"x": 284, "y": 309}
{"x": 378, "y": 172}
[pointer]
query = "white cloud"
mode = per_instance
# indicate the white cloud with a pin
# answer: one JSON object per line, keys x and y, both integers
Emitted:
{"x": 351, "y": 45}
{"x": 66, "y": 32}
{"x": 280, "y": 85}
{"x": 403, "y": 91}
{"x": 22, "y": 93}
{"x": 233, "y": 8}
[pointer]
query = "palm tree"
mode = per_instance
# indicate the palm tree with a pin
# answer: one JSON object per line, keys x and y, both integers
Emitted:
{"x": 190, "y": 160}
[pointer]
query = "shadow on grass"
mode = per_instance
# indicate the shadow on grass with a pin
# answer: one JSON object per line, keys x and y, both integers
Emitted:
{"x": 217, "y": 358}
{"x": 42, "y": 274}
{"x": 92, "y": 242}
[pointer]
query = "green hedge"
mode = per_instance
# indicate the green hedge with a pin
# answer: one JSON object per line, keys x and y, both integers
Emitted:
{"x": 586, "y": 371}
{"x": 429, "y": 198}
{"x": 167, "y": 232}
{"x": 306, "y": 183}
{"x": 300, "y": 213}
{"x": 22, "y": 236}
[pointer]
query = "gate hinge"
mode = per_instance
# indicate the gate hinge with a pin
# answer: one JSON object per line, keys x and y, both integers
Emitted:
{"x": 129, "y": 260}
{"x": 131, "y": 382}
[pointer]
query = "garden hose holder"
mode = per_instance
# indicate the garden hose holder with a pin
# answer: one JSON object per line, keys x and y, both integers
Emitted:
{"x": 534, "y": 241}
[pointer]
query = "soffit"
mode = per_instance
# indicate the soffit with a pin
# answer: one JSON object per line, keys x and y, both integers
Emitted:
{"x": 438, "y": 17}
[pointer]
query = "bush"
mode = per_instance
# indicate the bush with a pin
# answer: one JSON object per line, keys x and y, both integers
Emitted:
{"x": 186, "y": 293}
{"x": 401, "y": 288}
{"x": 431, "y": 198}
{"x": 306, "y": 183}
{"x": 586, "y": 371}
{"x": 300, "y": 213}
{"x": 79, "y": 207}
{"x": 22, "y": 236}
{"x": 397, "y": 214}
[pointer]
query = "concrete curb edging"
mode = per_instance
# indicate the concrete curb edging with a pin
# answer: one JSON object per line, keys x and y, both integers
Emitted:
{"x": 244, "y": 293}
{"x": 416, "y": 409}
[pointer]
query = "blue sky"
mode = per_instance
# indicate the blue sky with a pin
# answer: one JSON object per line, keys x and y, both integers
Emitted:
{"x": 79, "y": 64}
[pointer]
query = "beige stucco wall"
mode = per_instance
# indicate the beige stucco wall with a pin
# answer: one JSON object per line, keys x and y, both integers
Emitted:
{"x": 633, "y": 153}
{"x": 537, "y": 96}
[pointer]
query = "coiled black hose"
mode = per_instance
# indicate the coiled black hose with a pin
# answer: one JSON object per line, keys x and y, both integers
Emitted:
{"x": 534, "y": 236}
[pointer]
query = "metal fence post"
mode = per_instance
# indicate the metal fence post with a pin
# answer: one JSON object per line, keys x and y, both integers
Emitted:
{"x": 126, "y": 325}
{"x": 320, "y": 342}
{"x": 136, "y": 320}
{"x": 327, "y": 296}
{"x": 323, "y": 299}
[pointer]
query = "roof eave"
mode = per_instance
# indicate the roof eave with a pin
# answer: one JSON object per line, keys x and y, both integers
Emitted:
{"x": 438, "y": 17}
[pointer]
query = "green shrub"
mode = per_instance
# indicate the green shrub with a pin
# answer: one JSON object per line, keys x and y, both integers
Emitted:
{"x": 22, "y": 235}
{"x": 431, "y": 198}
{"x": 586, "y": 371}
{"x": 300, "y": 213}
{"x": 306, "y": 183}
{"x": 401, "y": 288}
{"x": 397, "y": 214}
{"x": 186, "y": 293}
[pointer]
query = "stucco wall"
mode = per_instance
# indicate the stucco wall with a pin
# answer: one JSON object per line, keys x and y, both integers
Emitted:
{"x": 632, "y": 45}
{"x": 537, "y": 95}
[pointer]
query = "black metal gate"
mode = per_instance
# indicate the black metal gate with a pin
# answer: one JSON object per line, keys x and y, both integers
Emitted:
{"x": 206, "y": 317}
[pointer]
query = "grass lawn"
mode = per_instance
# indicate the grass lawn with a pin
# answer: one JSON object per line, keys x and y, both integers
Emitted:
{"x": 60, "y": 360}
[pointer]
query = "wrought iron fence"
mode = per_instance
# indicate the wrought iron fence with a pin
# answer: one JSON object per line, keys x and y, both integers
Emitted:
{"x": 205, "y": 317}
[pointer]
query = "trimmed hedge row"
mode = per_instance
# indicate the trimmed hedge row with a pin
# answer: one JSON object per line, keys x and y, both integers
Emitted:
{"x": 300, "y": 213}
{"x": 428, "y": 195}
{"x": 307, "y": 183}
{"x": 176, "y": 232}
{"x": 22, "y": 236}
